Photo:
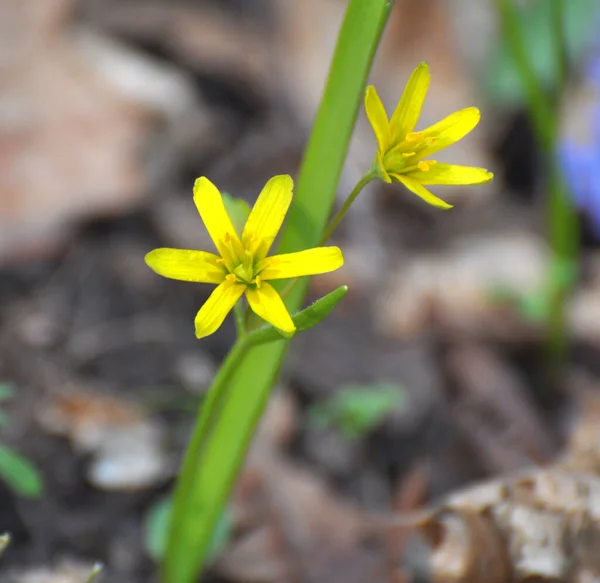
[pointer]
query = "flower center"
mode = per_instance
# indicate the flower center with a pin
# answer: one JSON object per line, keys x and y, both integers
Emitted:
{"x": 405, "y": 154}
{"x": 243, "y": 271}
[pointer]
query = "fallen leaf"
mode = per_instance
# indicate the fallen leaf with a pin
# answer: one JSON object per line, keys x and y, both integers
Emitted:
{"x": 126, "y": 446}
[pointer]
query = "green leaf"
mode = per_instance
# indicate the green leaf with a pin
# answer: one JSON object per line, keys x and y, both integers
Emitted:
{"x": 303, "y": 320}
{"x": 238, "y": 210}
{"x": 157, "y": 524}
{"x": 357, "y": 409}
{"x": 6, "y": 391}
{"x": 20, "y": 474}
{"x": 502, "y": 78}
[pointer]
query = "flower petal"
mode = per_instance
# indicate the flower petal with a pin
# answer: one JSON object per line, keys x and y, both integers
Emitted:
{"x": 266, "y": 303}
{"x": 216, "y": 307}
{"x": 421, "y": 191}
{"x": 409, "y": 107}
{"x": 309, "y": 262}
{"x": 449, "y": 130}
{"x": 267, "y": 215}
{"x": 211, "y": 207}
{"x": 377, "y": 117}
{"x": 186, "y": 265}
{"x": 451, "y": 174}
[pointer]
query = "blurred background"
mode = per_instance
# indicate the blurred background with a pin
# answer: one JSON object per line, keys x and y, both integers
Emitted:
{"x": 432, "y": 374}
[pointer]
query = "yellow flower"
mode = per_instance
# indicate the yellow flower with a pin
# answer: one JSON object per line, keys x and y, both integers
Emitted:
{"x": 242, "y": 264}
{"x": 401, "y": 151}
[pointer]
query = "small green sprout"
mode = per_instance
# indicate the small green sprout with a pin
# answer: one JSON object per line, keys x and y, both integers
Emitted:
{"x": 157, "y": 524}
{"x": 357, "y": 409}
{"x": 19, "y": 474}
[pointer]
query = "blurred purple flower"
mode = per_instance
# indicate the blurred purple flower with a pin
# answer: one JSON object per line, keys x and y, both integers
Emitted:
{"x": 580, "y": 162}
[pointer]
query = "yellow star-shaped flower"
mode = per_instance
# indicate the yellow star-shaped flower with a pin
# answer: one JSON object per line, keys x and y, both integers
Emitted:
{"x": 401, "y": 150}
{"x": 242, "y": 265}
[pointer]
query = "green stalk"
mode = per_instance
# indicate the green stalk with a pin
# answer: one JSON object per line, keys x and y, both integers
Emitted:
{"x": 540, "y": 107}
{"x": 331, "y": 227}
{"x": 372, "y": 175}
{"x": 213, "y": 461}
{"x": 562, "y": 218}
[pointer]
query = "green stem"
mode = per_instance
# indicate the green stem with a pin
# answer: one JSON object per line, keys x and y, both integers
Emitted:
{"x": 540, "y": 107}
{"x": 240, "y": 319}
{"x": 346, "y": 206}
{"x": 205, "y": 422}
{"x": 372, "y": 175}
{"x": 560, "y": 48}
{"x": 562, "y": 219}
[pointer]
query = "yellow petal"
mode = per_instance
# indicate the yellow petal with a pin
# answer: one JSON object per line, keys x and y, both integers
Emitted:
{"x": 409, "y": 107}
{"x": 267, "y": 215}
{"x": 309, "y": 262}
{"x": 449, "y": 130}
{"x": 451, "y": 174}
{"x": 186, "y": 265}
{"x": 266, "y": 303}
{"x": 377, "y": 117}
{"x": 421, "y": 191}
{"x": 211, "y": 207}
{"x": 216, "y": 307}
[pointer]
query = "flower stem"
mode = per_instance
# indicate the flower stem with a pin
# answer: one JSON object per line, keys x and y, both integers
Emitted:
{"x": 240, "y": 319}
{"x": 335, "y": 222}
{"x": 562, "y": 218}
{"x": 368, "y": 177}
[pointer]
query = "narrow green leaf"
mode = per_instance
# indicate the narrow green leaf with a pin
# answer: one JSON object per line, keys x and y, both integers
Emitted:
{"x": 304, "y": 320}
{"x": 19, "y": 473}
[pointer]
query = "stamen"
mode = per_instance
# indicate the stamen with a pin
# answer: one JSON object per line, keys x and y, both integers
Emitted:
{"x": 231, "y": 277}
{"x": 258, "y": 282}
{"x": 423, "y": 166}
{"x": 408, "y": 154}
{"x": 227, "y": 238}
{"x": 220, "y": 260}
{"x": 413, "y": 136}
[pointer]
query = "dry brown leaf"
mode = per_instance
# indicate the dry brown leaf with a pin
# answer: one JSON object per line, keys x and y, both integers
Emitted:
{"x": 494, "y": 410}
{"x": 202, "y": 37}
{"x": 541, "y": 524}
{"x": 126, "y": 446}
{"x": 292, "y": 521}
{"x": 454, "y": 288}
{"x": 73, "y": 119}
